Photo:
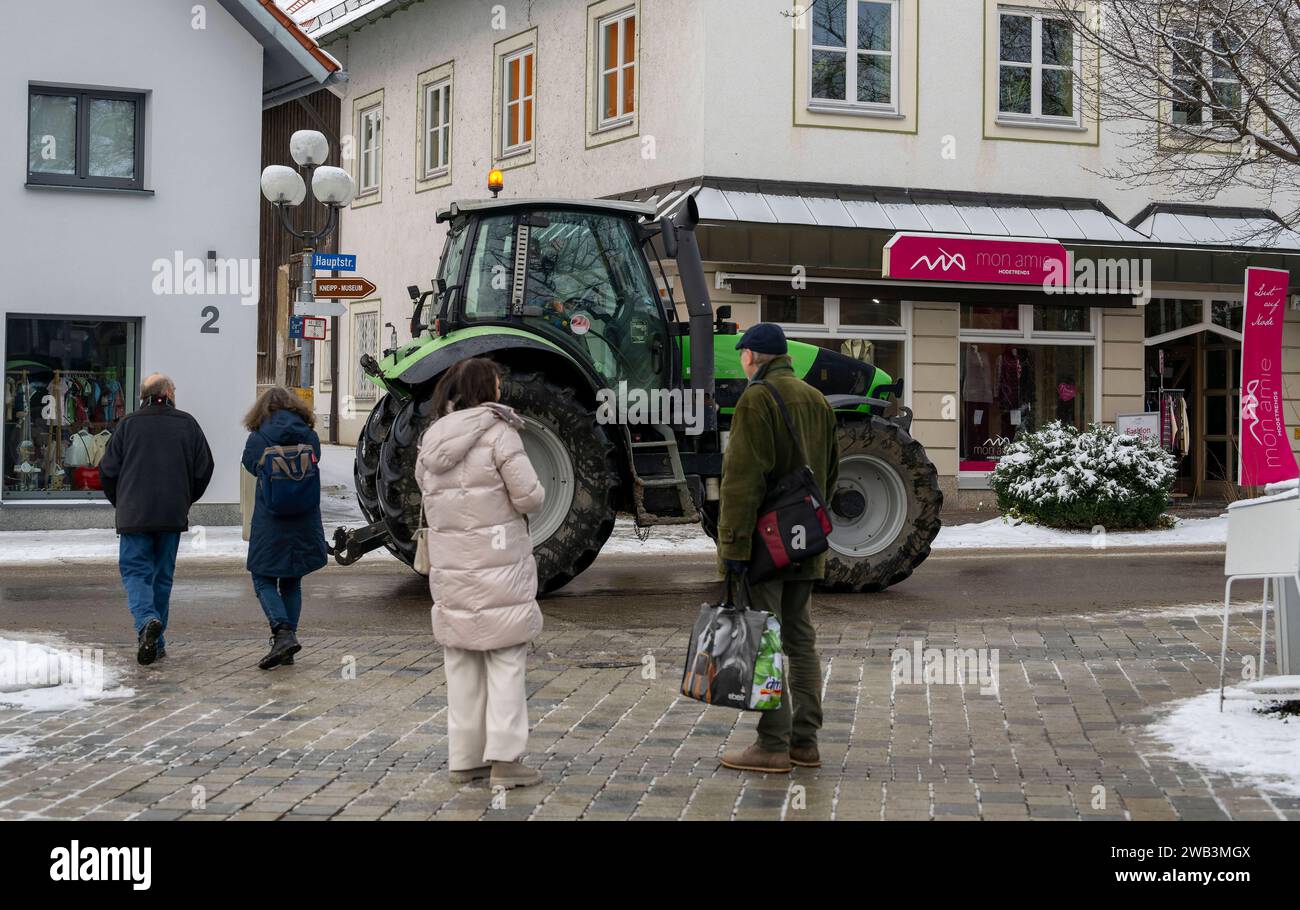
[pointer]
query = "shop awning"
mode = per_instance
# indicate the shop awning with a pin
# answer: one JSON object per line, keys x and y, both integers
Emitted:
{"x": 1172, "y": 224}
{"x": 881, "y": 289}
{"x": 889, "y": 209}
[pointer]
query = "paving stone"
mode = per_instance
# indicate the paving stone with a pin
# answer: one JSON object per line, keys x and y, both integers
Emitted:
{"x": 207, "y": 735}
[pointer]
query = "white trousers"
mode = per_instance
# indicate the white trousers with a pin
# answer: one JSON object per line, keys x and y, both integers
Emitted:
{"x": 487, "y": 706}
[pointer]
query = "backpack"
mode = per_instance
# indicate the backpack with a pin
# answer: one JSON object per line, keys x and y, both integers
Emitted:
{"x": 289, "y": 479}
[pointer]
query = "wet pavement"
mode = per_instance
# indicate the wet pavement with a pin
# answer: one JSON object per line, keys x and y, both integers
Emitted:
{"x": 1089, "y": 647}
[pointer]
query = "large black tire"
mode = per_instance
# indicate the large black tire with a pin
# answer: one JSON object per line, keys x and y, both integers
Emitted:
{"x": 365, "y": 469}
{"x": 399, "y": 497}
{"x": 547, "y": 408}
{"x": 877, "y": 447}
{"x": 911, "y": 545}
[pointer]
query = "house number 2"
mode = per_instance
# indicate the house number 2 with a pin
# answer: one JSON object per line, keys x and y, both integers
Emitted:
{"x": 212, "y": 314}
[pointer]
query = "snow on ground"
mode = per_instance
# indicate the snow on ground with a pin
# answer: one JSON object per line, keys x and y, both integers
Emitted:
{"x": 999, "y": 533}
{"x": 1262, "y": 750}
{"x": 339, "y": 507}
{"x": 43, "y": 677}
{"x": 12, "y": 748}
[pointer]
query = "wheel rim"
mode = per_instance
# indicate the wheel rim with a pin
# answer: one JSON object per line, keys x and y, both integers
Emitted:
{"x": 884, "y": 512}
{"x": 554, "y": 469}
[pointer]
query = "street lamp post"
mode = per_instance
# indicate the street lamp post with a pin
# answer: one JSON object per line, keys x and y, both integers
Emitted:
{"x": 285, "y": 188}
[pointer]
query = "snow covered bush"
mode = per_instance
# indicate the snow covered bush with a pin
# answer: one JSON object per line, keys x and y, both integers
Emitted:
{"x": 1066, "y": 478}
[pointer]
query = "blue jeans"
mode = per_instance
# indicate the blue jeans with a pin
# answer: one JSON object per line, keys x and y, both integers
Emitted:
{"x": 148, "y": 563}
{"x": 281, "y": 599}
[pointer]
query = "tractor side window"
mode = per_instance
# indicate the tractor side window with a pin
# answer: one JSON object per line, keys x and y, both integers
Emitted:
{"x": 587, "y": 278}
{"x": 491, "y": 267}
{"x": 453, "y": 255}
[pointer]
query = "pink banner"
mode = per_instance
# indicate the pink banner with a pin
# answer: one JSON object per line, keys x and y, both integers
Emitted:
{"x": 983, "y": 260}
{"x": 1265, "y": 451}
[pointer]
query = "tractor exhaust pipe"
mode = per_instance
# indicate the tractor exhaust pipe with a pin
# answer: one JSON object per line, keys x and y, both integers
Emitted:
{"x": 680, "y": 243}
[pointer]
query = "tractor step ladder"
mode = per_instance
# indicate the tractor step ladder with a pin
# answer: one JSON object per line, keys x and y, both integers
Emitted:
{"x": 668, "y": 443}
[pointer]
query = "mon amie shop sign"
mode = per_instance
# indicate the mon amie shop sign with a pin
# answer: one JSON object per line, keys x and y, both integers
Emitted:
{"x": 979, "y": 260}
{"x": 1265, "y": 452}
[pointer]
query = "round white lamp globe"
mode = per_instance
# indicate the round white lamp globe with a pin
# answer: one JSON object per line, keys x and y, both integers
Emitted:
{"x": 283, "y": 185}
{"x": 333, "y": 186}
{"x": 309, "y": 147}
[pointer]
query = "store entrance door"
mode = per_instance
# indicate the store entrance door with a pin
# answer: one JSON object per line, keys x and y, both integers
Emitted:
{"x": 1206, "y": 366}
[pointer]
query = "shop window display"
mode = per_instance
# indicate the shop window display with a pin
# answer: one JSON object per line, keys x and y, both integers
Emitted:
{"x": 67, "y": 384}
{"x": 1012, "y": 387}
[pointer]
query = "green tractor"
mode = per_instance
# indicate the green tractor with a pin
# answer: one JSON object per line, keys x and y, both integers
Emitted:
{"x": 626, "y": 407}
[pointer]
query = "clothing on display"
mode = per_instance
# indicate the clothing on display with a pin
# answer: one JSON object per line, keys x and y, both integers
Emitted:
{"x": 859, "y": 349}
{"x": 977, "y": 381}
{"x": 57, "y": 427}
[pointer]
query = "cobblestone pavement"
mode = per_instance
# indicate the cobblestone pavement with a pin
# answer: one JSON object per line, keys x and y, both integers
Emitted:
{"x": 208, "y": 736}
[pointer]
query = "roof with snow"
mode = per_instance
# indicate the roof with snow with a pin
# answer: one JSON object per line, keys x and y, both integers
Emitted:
{"x": 722, "y": 199}
{"x": 334, "y": 18}
{"x": 1179, "y": 224}
{"x": 292, "y": 63}
{"x": 1067, "y": 219}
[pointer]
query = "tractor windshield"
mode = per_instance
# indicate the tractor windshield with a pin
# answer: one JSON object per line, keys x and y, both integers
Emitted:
{"x": 587, "y": 285}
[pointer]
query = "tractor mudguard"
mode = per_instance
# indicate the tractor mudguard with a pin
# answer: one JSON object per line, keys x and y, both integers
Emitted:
{"x": 426, "y": 358}
{"x": 857, "y": 403}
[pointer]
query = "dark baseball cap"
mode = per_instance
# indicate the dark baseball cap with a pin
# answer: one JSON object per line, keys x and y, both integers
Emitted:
{"x": 764, "y": 338}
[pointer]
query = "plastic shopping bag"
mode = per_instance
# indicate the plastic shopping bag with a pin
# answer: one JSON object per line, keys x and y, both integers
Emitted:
{"x": 734, "y": 656}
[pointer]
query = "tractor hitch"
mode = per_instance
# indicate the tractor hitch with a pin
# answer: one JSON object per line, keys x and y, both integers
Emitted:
{"x": 350, "y": 545}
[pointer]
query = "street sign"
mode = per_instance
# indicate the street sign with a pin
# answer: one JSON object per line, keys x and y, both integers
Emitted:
{"x": 308, "y": 328}
{"x": 344, "y": 288}
{"x": 322, "y": 308}
{"x": 336, "y": 262}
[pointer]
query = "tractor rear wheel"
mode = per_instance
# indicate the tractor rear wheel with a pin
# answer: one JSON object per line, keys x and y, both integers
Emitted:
{"x": 884, "y": 509}
{"x": 365, "y": 469}
{"x": 571, "y": 453}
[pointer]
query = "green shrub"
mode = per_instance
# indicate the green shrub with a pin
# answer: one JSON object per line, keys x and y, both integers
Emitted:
{"x": 1062, "y": 477}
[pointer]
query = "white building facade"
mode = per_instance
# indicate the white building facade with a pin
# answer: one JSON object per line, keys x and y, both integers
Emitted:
{"x": 809, "y": 140}
{"x": 131, "y": 223}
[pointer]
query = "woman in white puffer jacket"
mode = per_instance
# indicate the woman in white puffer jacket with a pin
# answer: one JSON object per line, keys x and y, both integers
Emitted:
{"x": 477, "y": 485}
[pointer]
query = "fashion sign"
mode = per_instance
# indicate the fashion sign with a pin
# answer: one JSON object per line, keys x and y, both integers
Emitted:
{"x": 983, "y": 260}
{"x": 1265, "y": 452}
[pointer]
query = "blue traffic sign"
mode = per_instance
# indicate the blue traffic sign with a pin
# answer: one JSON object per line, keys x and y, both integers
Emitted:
{"x": 337, "y": 262}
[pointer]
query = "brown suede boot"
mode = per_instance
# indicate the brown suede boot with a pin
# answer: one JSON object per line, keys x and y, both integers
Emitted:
{"x": 469, "y": 774}
{"x": 511, "y": 774}
{"x": 806, "y": 756}
{"x": 755, "y": 758}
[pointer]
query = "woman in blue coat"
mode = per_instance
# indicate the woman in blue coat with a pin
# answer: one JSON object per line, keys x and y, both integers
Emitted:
{"x": 282, "y": 548}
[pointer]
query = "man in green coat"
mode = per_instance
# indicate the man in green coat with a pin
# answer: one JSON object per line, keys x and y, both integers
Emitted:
{"x": 760, "y": 452}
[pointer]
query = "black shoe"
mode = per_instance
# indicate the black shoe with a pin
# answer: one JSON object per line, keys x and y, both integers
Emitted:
{"x": 147, "y": 653}
{"x": 288, "y": 661}
{"x": 162, "y": 652}
{"x": 283, "y": 644}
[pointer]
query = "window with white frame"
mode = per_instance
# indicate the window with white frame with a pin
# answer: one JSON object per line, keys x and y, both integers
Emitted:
{"x": 517, "y": 78}
{"x": 866, "y": 328}
{"x": 437, "y": 128}
{"x": 854, "y": 56}
{"x": 617, "y": 68}
{"x": 1038, "y": 67}
{"x": 1198, "y": 64}
{"x": 1020, "y": 368}
{"x": 365, "y": 340}
{"x": 369, "y": 170}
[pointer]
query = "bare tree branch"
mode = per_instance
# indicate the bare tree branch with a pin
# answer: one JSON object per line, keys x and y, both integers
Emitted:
{"x": 1201, "y": 96}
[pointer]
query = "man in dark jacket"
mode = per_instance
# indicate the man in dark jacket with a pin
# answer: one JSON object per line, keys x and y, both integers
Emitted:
{"x": 760, "y": 451}
{"x": 156, "y": 466}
